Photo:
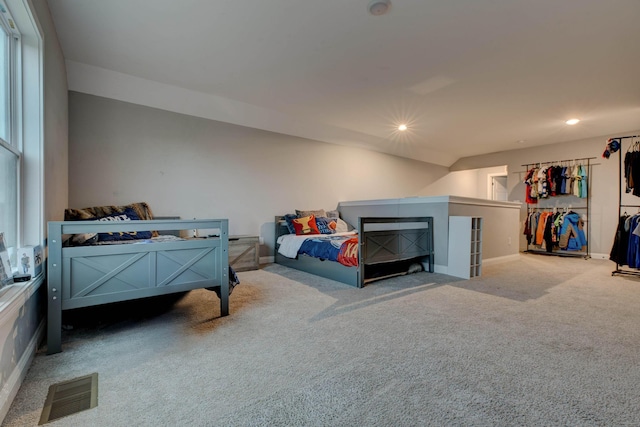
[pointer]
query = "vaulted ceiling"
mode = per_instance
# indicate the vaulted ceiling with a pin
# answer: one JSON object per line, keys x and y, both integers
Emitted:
{"x": 466, "y": 76}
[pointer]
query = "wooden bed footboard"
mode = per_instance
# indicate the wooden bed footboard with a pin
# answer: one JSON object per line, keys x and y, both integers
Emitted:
{"x": 384, "y": 242}
{"x": 83, "y": 276}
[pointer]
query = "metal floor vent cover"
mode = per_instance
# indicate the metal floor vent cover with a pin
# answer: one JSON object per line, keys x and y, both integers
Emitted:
{"x": 70, "y": 397}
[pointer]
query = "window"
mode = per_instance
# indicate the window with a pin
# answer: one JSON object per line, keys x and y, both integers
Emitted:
{"x": 10, "y": 145}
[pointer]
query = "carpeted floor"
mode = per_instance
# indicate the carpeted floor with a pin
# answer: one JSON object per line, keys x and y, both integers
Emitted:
{"x": 538, "y": 341}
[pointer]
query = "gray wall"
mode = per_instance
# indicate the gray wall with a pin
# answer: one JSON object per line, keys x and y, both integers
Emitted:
{"x": 197, "y": 168}
{"x": 466, "y": 183}
{"x": 500, "y": 227}
{"x": 56, "y": 121}
{"x": 604, "y": 181}
{"x": 23, "y": 326}
{"x": 193, "y": 167}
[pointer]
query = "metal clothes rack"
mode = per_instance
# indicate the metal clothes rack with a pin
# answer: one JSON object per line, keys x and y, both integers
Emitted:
{"x": 562, "y": 253}
{"x": 619, "y": 270}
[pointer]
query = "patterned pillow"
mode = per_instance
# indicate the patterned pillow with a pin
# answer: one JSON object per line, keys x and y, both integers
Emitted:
{"x": 305, "y": 225}
{"x": 326, "y": 225}
{"x": 83, "y": 239}
{"x": 288, "y": 218}
{"x": 142, "y": 210}
{"x": 320, "y": 213}
{"x": 333, "y": 214}
{"x": 128, "y": 215}
{"x": 341, "y": 226}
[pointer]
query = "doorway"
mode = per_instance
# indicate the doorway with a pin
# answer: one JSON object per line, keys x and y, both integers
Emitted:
{"x": 498, "y": 188}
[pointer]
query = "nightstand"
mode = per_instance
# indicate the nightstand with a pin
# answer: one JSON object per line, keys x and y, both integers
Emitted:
{"x": 244, "y": 252}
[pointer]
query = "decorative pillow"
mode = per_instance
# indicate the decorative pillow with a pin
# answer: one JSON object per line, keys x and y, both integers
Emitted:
{"x": 141, "y": 209}
{"x": 305, "y": 225}
{"x": 288, "y": 218}
{"x": 341, "y": 226}
{"x": 83, "y": 239}
{"x": 326, "y": 225}
{"x": 320, "y": 213}
{"x": 128, "y": 215}
{"x": 333, "y": 214}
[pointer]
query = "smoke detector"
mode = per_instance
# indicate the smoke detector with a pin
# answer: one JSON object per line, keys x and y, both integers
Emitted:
{"x": 379, "y": 7}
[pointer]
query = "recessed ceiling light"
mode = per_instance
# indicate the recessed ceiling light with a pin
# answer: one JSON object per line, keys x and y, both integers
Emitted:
{"x": 379, "y": 7}
{"x": 402, "y": 127}
{"x": 572, "y": 121}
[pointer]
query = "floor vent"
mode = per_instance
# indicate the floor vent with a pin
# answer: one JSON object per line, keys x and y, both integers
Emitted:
{"x": 70, "y": 397}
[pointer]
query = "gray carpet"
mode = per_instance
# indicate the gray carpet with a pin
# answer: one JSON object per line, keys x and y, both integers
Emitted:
{"x": 537, "y": 341}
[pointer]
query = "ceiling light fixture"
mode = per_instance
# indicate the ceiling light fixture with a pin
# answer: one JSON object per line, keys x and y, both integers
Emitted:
{"x": 379, "y": 7}
{"x": 572, "y": 121}
{"x": 402, "y": 127}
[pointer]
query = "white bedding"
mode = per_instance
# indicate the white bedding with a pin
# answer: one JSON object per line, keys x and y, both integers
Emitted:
{"x": 290, "y": 243}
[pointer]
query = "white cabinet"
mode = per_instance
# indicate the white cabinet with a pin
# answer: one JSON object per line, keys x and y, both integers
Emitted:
{"x": 465, "y": 247}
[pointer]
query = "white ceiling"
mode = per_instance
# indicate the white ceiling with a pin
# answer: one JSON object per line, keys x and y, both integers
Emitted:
{"x": 467, "y": 76}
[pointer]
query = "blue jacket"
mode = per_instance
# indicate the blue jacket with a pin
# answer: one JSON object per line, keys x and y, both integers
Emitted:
{"x": 579, "y": 240}
{"x": 633, "y": 254}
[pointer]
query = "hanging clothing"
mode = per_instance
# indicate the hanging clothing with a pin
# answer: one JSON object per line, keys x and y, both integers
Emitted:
{"x": 618, "y": 252}
{"x": 549, "y": 230}
{"x": 530, "y": 196}
{"x": 542, "y": 222}
{"x": 581, "y": 238}
{"x": 573, "y": 231}
{"x": 633, "y": 248}
{"x": 552, "y": 181}
{"x": 584, "y": 191}
{"x": 632, "y": 172}
{"x": 577, "y": 177}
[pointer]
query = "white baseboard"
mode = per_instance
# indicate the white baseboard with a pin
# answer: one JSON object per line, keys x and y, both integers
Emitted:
{"x": 440, "y": 269}
{"x": 11, "y": 387}
{"x": 600, "y": 256}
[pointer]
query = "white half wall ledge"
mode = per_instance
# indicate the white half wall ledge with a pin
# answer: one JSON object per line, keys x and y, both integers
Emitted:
{"x": 434, "y": 199}
{"x": 99, "y": 81}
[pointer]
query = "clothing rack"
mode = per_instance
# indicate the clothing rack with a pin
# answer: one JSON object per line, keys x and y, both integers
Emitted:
{"x": 619, "y": 270}
{"x": 555, "y": 162}
{"x": 585, "y": 207}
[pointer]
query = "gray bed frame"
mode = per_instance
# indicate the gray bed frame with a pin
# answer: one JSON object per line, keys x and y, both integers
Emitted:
{"x": 383, "y": 241}
{"x": 84, "y": 276}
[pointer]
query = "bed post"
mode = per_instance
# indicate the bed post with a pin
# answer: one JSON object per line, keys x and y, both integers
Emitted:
{"x": 361, "y": 243}
{"x": 224, "y": 257}
{"x": 54, "y": 286}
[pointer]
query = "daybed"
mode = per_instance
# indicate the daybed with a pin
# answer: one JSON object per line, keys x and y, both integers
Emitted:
{"x": 83, "y": 276}
{"x": 386, "y": 247}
